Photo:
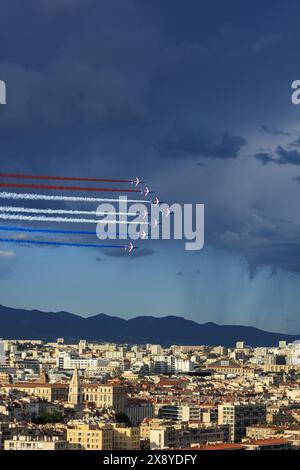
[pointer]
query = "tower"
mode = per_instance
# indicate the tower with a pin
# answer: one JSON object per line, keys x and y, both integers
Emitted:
{"x": 44, "y": 378}
{"x": 75, "y": 391}
{"x": 2, "y": 352}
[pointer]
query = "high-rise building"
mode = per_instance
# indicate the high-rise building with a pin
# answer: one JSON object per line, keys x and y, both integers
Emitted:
{"x": 155, "y": 349}
{"x": 239, "y": 416}
{"x": 138, "y": 410}
{"x": 2, "y": 352}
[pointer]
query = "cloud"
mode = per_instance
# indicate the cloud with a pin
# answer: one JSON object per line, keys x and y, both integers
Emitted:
{"x": 295, "y": 143}
{"x": 282, "y": 157}
{"x": 92, "y": 85}
{"x": 264, "y": 157}
{"x": 265, "y": 242}
{"x": 70, "y": 92}
{"x": 183, "y": 141}
{"x": 267, "y": 41}
{"x": 7, "y": 263}
{"x": 291, "y": 157}
{"x": 6, "y": 254}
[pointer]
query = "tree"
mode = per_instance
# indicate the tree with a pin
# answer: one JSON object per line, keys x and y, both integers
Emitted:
{"x": 122, "y": 418}
{"x": 49, "y": 417}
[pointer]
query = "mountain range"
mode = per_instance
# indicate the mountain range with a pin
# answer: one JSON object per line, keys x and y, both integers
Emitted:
{"x": 34, "y": 324}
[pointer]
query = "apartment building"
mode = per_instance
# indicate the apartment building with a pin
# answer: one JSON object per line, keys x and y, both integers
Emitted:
{"x": 103, "y": 437}
{"x": 30, "y": 443}
{"x": 175, "y": 437}
{"x": 89, "y": 437}
{"x": 180, "y": 412}
{"x": 5, "y": 433}
{"x": 239, "y": 416}
{"x": 67, "y": 361}
{"x": 125, "y": 438}
{"x": 138, "y": 410}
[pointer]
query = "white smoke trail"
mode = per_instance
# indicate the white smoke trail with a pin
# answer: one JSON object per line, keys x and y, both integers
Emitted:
{"x": 48, "y": 197}
{"x": 32, "y": 210}
{"x": 66, "y": 220}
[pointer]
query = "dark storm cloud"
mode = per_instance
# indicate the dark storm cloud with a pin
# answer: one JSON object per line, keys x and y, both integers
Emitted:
{"x": 282, "y": 157}
{"x": 291, "y": 157}
{"x": 97, "y": 72}
{"x": 96, "y": 84}
{"x": 184, "y": 140}
{"x": 263, "y": 242}
{"x": 68, "y": 93}
{"x": 264, "y": 157}
{"x": 295, "y": 143}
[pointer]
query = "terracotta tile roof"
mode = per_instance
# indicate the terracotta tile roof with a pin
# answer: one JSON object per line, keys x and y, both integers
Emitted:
{"x": 267, "y": 442}
{"x": 36, "y": 385}
{"x": 223, "y": 446}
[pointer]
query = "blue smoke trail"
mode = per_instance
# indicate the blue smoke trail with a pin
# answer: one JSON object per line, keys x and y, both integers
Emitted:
{"x": 53, "y": 231}
{"x": 82, "y": 245}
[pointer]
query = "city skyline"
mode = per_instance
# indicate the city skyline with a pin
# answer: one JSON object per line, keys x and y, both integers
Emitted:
{"x": 107, "y": 396}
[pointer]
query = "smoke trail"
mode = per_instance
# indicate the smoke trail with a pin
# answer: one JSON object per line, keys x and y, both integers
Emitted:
{"x": 66, "y": 220}
{"x": 49, "y": 243}
{"x": 62, "y": 178}
{"x": 49, "y": 197}
{"x": 61, "y": 211}
{"x": 67, "y": 188}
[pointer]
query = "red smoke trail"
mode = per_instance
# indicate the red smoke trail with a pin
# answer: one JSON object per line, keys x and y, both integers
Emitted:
{"x": 61, "y": 178}
{"x": 67, "y": 188}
